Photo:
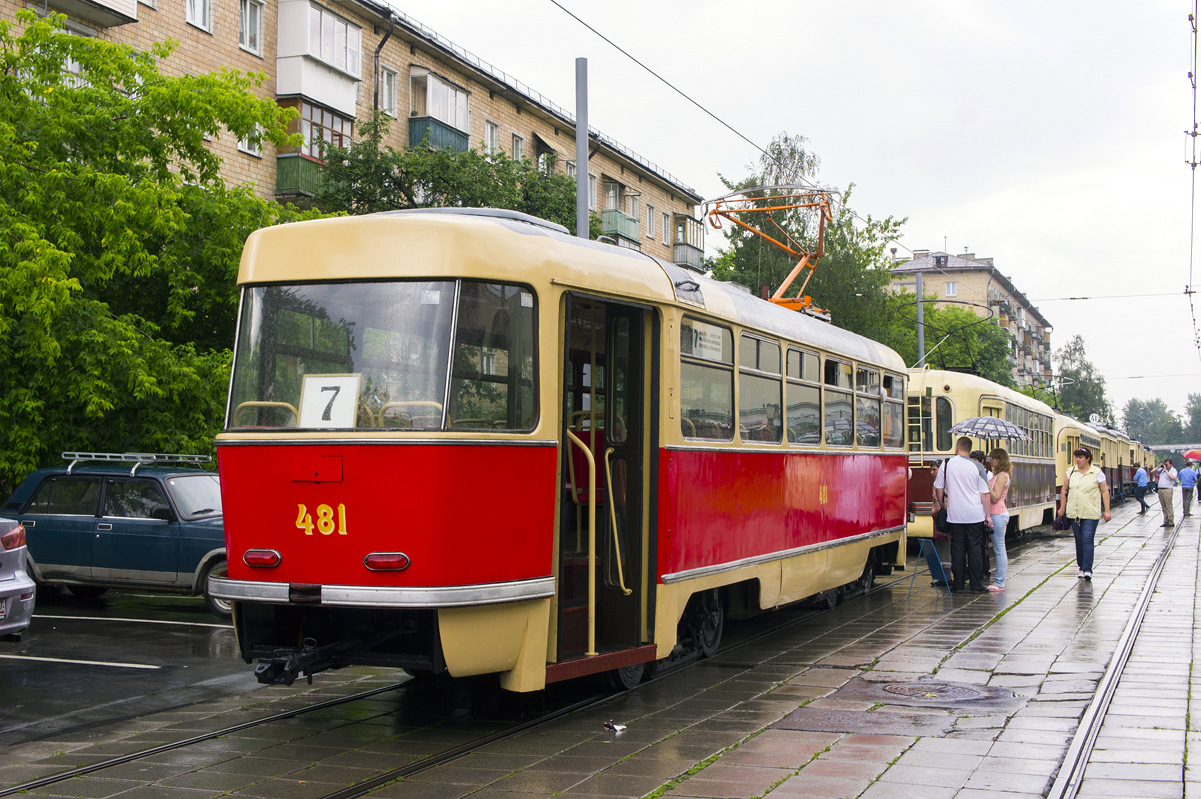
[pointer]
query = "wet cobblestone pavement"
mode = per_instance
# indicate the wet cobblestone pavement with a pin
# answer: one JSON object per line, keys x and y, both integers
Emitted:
{"x": 896, "y": 694}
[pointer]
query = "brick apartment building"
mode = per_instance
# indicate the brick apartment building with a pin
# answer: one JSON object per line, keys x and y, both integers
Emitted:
{"x": 335, "y": 61}
{"x": 966, "y": 278}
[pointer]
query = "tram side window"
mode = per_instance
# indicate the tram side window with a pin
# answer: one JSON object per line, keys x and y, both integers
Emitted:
{"x": 706, "y": 381}
{"x": 893, "y": 418}
{"x": 804, "y": 398}
{"x": 839, "y": 406}
{"x": 759, "y": 399}
{"x": 942, "y": 423}
{"x": 867, "y": 408}
{"x": 492, "y": 378}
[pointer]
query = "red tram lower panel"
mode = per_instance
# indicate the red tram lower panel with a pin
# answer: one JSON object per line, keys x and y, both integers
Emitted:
{"x": 720, "y": 507}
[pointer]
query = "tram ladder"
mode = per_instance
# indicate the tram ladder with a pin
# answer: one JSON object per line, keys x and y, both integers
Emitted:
{"x": 1067, "y": 783}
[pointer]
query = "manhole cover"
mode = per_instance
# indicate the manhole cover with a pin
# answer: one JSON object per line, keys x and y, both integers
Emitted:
{"x": 934, "y": 690}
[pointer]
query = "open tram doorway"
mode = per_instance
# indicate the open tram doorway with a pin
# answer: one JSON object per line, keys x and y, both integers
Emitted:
{"x": 605, "y": 413}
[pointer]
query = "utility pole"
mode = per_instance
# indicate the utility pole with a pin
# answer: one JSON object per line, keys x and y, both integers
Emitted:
{"x": 581, "y": 148}
{"x": 921, "y": 325}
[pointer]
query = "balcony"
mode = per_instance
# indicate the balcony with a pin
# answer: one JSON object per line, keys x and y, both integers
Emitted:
{"x": 615, "y": 223}
{"x": 296, "y": 175}
{"x": 688, "y": 255}
{"x": 105, "y": 13}
{"x": 437, "y": 134}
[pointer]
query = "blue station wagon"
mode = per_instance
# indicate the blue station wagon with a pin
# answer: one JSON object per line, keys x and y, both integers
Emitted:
{"x": 110, "y": 520}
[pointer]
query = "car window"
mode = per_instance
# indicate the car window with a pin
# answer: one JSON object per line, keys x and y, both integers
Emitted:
{"x": 196, "y": 495}
{"x": 133, "y": 500}
{"x": 66, "y": 496}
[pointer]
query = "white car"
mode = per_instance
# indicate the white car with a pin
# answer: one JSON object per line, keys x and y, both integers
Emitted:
{"x": 16, "y": 587}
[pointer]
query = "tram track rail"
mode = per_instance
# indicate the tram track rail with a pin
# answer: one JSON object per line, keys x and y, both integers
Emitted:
{"x": 1071, "y": 771}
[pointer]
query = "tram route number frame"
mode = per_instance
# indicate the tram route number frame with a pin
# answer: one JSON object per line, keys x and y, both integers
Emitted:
{"x": 329, "y": 401}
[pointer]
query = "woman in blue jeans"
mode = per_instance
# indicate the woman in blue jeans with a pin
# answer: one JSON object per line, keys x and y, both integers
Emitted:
{"x": 1085, "y": 501}
{"x": 998, "y": 486}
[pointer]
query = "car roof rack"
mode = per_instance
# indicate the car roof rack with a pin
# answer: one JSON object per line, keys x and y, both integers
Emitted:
{"x": 138, "y": 459}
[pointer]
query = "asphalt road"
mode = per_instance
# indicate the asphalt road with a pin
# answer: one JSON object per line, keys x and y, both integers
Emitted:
{"x": 88, "y": 662}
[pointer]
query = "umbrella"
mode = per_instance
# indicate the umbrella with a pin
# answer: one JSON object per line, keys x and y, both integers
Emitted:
{"x": 1193, "y": 455}
{"x": 989, "y": 427}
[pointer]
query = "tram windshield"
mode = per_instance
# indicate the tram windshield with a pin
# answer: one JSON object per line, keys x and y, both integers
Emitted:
{"x": 432, "y": 355}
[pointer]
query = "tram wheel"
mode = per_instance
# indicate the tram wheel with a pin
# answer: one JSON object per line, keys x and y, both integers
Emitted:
{"x": 866, "y": 579}
{"x": 86, "y": 591}
{"x": 710, "y": 620}
{"x": 627, "y": 677}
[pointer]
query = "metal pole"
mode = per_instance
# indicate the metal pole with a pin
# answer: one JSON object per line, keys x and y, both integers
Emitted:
{"x": 921, "y": 324}
{"x": 581, "y": 148}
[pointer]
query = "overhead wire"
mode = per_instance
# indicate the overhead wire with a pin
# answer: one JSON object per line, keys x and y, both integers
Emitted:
{"x": 1192, "y": 133}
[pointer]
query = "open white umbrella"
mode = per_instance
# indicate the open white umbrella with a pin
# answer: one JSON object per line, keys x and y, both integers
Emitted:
{"x": 989, "y": 427}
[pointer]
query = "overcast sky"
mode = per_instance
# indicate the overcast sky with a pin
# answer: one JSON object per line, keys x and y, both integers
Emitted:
{"x": 1047, "y": 135}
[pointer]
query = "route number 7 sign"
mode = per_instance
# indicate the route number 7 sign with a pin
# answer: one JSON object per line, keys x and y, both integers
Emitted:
{"x": 329, "y": 401}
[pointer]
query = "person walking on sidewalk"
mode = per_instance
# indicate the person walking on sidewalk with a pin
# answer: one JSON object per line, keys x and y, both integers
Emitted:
{"x": 1165, "y": 483}
{"x": 998, "y": 492}
{"x": 1188, "y": 481}
{"x": 1140, "y": 487}
{"x": 960, "y": 488}
{"x": 1086, "y": 500}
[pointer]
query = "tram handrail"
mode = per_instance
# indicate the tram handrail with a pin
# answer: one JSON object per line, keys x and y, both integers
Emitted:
{"x": 621, "y": 580}
{"x": 591, "y": 651}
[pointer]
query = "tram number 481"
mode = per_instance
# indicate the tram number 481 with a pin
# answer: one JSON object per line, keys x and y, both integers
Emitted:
{"x": 325, "y": 524}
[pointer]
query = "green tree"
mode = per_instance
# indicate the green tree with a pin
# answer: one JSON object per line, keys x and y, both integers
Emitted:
{"x": 850, "y": 281}
{"x": 119, "y": 244}
{"x": 1192, "y": 418}
{"x": 367, "y": 176}
{"x": 1153, "y": 422}
{"x": 955, "y": 338}
{"x": 1081, "y": 386}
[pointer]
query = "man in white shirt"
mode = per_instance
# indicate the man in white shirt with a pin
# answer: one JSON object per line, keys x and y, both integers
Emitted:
{"x": 1165, "y": 483}
{"x": 962, "y": 490}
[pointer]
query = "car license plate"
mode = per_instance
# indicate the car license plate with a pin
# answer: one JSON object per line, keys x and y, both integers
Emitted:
{"x": 3, "y": 609}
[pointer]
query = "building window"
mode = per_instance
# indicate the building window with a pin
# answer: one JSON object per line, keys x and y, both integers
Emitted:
{"x": 952, "y": 289}
{"x": 569, "y": 168}
{"x": 250, "y": 26}
{"x": 389, "y": 80}
{"x": 199, "y": 13}
{"x": 253, "y": 145}
{"x": 650, "y": 221}
{"x": 666, "y": 228}
{"x": 518, "y": 147}
{"x": 334, "y": 40}
{"x": 438, "y": 98}
{"x": 322, "y": 130}
{"x": 491, "y": 138}
{"x": 635, "y": 209}
{"x": 591, "y": 192}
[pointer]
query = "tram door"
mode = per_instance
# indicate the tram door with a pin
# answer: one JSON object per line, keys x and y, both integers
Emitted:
{"x": 604, "y": 413}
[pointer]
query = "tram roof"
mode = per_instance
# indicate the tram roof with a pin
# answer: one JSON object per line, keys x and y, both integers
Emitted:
{"x": 983, "y": 384}
{"x": 511, "y": 246}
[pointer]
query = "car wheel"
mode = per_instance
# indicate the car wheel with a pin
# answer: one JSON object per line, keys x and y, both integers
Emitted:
{"x": 86, "y": 591}
{"x": 222, "y": 608}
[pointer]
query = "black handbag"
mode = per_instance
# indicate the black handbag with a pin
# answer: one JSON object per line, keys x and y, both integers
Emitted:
{"x": 940, "y": 520}
{"x": 1061, "y": 524}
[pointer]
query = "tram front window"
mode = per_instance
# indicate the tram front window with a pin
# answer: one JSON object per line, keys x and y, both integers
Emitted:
{"x": 378, "y": 355}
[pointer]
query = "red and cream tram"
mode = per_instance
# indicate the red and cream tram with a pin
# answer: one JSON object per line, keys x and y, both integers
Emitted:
{"x": 466, "y": 441}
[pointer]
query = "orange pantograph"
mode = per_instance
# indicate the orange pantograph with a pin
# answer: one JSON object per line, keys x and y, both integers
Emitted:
{"x": 780, "y": 198}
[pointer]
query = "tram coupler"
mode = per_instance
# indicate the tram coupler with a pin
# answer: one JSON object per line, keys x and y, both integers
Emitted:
{"x": 288, "y": 664}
